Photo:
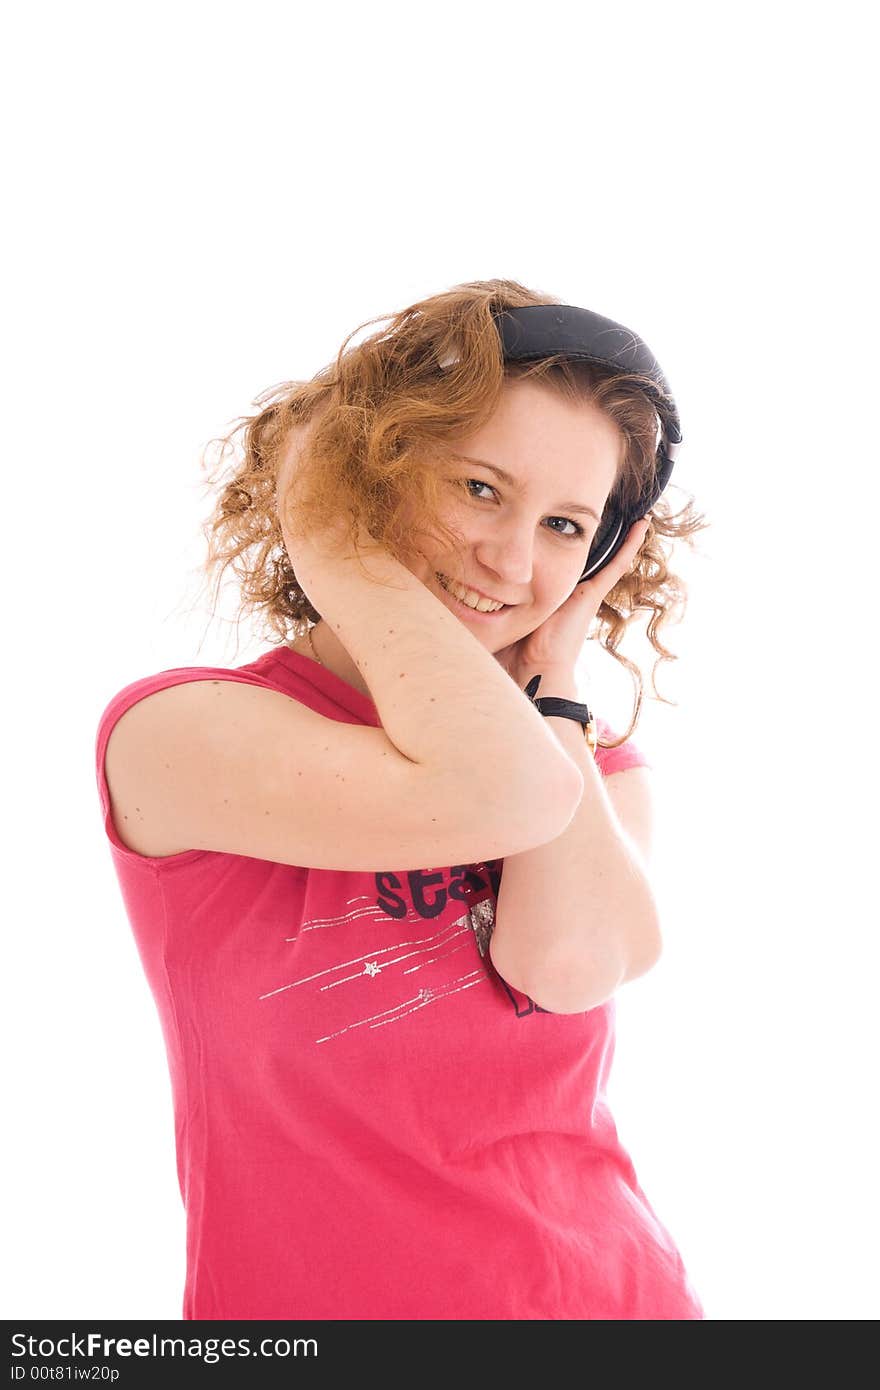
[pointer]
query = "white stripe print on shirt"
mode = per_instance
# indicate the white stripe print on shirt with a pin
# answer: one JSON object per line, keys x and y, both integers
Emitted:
{"x": 475, "y": 925}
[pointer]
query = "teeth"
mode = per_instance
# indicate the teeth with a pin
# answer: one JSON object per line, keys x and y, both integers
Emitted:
{"x": 469, "y": 596}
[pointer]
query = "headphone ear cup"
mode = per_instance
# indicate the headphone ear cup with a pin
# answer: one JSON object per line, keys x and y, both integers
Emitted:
{"x": 607, "y": 541}
{"x": 615, "y": 525}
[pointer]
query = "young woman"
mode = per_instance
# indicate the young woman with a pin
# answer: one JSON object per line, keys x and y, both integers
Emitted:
{"x": 384, "y": 888}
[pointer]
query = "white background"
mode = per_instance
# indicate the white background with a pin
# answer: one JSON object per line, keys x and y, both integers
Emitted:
{"x": 202, "y": 201}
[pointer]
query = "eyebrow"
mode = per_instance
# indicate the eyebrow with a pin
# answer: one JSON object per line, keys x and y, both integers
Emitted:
{"x": 511, "y": 482}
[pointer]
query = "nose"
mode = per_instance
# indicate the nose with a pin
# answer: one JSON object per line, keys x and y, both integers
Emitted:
{"x": 507, "y": 549}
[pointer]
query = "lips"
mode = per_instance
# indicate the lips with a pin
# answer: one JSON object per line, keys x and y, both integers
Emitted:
{"x": 492, "y": 598}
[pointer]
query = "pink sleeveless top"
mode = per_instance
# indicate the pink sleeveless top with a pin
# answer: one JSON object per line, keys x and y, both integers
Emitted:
{"x": 370, "y": 1123}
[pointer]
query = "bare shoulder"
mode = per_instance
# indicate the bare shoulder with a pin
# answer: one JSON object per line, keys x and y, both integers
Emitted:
{"x": 136, "y": 737}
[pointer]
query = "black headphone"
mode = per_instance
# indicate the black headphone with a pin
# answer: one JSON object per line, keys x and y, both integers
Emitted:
{"x": 548, "y": 330}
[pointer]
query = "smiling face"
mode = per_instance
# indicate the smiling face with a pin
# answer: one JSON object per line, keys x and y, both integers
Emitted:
{"x": 525, "y": 537}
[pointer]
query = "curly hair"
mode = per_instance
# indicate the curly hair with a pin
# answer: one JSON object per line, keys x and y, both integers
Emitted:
{"x": 386, "y": 412}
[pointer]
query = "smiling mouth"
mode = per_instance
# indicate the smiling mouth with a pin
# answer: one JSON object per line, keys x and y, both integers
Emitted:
{"x": 493, "y": 605}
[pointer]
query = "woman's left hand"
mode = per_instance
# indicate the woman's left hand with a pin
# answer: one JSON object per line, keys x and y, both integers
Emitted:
{"x": 559, "y": 641}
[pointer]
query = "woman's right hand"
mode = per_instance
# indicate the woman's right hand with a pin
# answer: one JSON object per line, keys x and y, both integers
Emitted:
{"x": 311, "y": 554}
{"x": 305, "y": 552}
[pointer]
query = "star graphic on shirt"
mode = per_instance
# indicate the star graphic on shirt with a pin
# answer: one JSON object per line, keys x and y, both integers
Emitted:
{"x": 371, "y": 967}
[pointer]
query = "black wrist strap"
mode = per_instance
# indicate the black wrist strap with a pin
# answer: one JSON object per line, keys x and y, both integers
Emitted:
{"x": 564, "y": 709}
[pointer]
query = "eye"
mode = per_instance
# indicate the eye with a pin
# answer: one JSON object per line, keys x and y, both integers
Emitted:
{"x": 479, "y": 482}
{"x": 574, "y": 535}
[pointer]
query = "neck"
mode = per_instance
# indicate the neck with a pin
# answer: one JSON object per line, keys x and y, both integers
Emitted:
{"x": 335, "y": 658}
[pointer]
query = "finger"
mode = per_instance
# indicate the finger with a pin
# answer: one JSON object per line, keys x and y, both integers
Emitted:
{"x": 626, "y": 556}
{"x": 637, "y": 534}
{"x": 620, "y": 565}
